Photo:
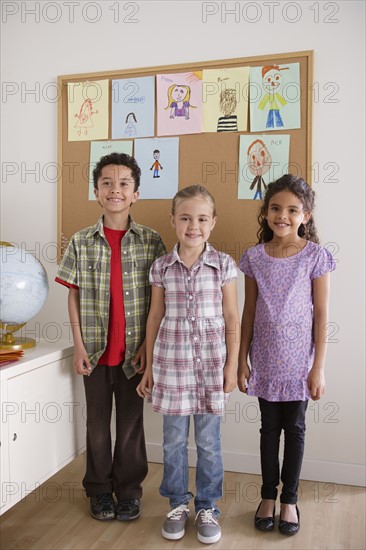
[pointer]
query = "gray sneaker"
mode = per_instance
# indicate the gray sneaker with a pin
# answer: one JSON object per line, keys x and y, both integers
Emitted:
{"x": 208, "y": 528}
{"x": 174, "y": 524}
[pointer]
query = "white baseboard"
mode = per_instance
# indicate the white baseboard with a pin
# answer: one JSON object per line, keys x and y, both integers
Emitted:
{"x": 313, "y": 470}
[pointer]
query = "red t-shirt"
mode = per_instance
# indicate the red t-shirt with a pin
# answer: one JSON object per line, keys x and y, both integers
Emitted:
{"x": 116, "y": 340}
{"x": 116, "y": 344}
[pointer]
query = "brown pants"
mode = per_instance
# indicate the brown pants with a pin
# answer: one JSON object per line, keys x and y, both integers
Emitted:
{"x": 123, "y": 472}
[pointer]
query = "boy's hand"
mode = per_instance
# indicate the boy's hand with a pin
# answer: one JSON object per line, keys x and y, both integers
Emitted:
{"x": 145, "y": 386}
{"x": 139, "y": 361}
{"x": 243, "y": 377}
{"x": 81, "y": 362}
{"x": 316, "y": 383}
{"x": 229, "y": 378}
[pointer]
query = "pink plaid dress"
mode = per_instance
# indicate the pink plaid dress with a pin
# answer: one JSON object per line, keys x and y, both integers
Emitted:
{"x": 190, "y": 349}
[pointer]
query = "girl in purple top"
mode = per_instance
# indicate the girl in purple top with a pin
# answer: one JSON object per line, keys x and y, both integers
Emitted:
{"x": 284, "y": 333}
{"x": 192, "y": 345}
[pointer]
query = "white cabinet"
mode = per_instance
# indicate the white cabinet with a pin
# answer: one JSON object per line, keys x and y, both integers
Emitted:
{"x": 42, "y": 419}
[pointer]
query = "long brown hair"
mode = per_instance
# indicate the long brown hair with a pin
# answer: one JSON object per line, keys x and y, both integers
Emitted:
{"x": 303, "y": 192}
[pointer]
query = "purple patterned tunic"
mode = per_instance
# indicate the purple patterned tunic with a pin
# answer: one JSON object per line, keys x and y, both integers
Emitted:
{"x": 190, "y": 349}
{"x": 282, "y": 348}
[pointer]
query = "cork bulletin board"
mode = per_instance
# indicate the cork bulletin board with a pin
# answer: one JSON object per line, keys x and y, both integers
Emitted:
{"x": 210, "y": 159}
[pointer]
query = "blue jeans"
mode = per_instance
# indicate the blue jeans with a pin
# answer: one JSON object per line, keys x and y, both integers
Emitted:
{"x": 209, "y": 468}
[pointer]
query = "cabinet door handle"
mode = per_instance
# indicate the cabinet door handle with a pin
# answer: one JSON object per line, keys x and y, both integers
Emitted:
{"x": 15, "y": 437}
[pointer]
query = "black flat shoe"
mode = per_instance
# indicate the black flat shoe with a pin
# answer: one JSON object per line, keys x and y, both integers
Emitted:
{"x": 264, "y": 524}
{"x": 289, "y": 528}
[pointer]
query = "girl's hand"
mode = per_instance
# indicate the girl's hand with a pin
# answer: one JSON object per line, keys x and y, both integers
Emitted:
{"x": 230, "y": 378}
{"x": 145, "y": 386}
{"x": 243, "y": 377}
{"x": 316, "y": 383}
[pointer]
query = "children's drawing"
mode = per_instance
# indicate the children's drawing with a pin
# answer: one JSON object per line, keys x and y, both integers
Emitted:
{"x": 272, "y": 83}
{"x": 130, "y": 129}
{"x": 156, "y": 182}
{"x": 276, "y": 97}
{"x": 156, "y": 166}
{"x": 265, "y": 157}
{"x": 228, "y": 104}
{"x": 85, "y": 117}
{"x": 179, "y": 100}
{"x": 88, "y": 110}
{"x": 259, "y": 163}
{"x": 225, "y": 99}
{"x": 133, "y": 107}
{"x": 99, "y": 149}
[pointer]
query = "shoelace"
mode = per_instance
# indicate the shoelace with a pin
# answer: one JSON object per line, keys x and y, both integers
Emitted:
{"x": 103, "y": 498}
{"x": 206, "y": 516}
{"x": 176, "y": 514}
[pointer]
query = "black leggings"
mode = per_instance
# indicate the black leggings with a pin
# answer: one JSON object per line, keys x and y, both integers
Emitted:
{"x": 276, "y": 416}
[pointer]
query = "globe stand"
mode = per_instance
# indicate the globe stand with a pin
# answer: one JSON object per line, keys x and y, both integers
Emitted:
{"x": 8, "y": 341}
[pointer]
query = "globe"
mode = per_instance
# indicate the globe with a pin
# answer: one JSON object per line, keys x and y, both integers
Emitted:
{"x": 23, "y": 292}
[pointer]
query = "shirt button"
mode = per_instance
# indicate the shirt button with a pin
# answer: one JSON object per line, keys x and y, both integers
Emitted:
{"x": 188, "y": 278}
{"x": 129, "y": 333}
{"x": 191, "y": 297}
{"x": 90, "y": 266}
{"x": 127, "y": 293}
{"x": 195, "y": 339}
{"x": 125, "y": 252}
{"x": 198, "y": 360}
{"x": 193, "y": 318}
{"x": 128, "y": 313}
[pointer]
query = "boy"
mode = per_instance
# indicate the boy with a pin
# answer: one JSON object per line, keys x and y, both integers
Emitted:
{"x": 106, "y": 268}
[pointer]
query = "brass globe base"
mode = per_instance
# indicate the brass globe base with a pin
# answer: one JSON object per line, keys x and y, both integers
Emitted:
{"x": 18, "y": 344}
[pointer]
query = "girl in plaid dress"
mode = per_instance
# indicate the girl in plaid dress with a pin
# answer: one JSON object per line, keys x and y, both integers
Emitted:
{"x": 192, "y": 341}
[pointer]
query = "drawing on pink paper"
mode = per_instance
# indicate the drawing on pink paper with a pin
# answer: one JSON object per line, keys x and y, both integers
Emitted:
{"x": 85, "y": 117}
{"x": 179, "y": 96}
{"x": 179, "y": 103}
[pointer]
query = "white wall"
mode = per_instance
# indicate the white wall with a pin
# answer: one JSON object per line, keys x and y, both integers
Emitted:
{"x": 35, "y": 51}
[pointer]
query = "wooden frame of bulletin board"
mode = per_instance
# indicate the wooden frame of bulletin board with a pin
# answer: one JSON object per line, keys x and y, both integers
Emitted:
{"x": 210, "y": 159}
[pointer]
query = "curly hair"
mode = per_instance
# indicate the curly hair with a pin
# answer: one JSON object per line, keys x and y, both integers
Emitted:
{"x": 119, "y": 159}
{"x": 303, "y": 192}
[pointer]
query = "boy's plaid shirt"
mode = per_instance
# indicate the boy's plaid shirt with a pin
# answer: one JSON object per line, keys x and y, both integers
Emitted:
{"x": 86, "y": 265}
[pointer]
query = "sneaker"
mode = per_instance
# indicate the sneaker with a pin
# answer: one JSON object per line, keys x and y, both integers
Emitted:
{"x": 128, "y": 509}
{"x": 102, "y": 506}
{"x": 208, "y": 527}
{"x": 174, "y": 524}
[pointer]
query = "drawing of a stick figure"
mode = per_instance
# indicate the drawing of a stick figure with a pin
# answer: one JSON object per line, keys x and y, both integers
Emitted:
{"x": 271, "y": 82}
{"x": 156, "y": 164}
{"x": 84, "y": 117}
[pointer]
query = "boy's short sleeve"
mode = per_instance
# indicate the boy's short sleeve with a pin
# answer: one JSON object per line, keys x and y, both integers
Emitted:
{"x": 245, "y": 264}
{"x": 324, "y": 264}
{"x": 67, "y": 271}
{"x": 155, "y": 274}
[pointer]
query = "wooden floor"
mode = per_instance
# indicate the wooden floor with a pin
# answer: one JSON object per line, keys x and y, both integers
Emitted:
{"x": 56, "y": 516}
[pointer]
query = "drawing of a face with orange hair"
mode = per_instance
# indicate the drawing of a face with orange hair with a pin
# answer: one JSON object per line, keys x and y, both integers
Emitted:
{"x": 259, "y": 158}
{"x": 259, "y": 163}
